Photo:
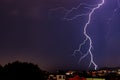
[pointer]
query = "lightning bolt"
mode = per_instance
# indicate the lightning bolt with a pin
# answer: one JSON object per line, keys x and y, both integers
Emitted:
{"x": 91, "y": 9}
{"x": 114, "y": 11}
{"x": 118, "y": 2}
{"x": 111, "y": 18}
{"x": 87, "y": 37}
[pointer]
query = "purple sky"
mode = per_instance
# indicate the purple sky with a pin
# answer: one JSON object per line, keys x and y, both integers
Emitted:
{"x": 30, "y": 31}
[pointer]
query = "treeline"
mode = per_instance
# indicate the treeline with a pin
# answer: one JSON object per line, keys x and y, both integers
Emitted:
{"x": 20, "y": 71}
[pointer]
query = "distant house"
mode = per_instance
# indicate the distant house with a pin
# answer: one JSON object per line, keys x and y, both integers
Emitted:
{"x": 57, "y": 77}
{"x": 76, "y": 77}
{"x": 51, "y": 77}
{"x": 70, "y": 76}
{"x": 60, "y": 77}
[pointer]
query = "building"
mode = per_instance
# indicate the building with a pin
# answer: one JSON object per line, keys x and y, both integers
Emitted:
{"x": 60, "y": 77}
{"x": 82, "y": 78}
{"x": 57, "y": 77}
{"x": 77, "y": 77}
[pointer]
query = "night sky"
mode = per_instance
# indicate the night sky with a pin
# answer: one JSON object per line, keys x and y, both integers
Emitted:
{"x": 35, "y": 31}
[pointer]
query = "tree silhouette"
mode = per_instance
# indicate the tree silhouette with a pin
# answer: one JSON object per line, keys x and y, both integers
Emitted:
{"x": 18, "y": 70}
{"x": 1, "y": 71}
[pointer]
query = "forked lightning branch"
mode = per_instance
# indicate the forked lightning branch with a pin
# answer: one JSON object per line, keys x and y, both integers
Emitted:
{"x": 87, "y": 37}
{"x": 92, "y": 9}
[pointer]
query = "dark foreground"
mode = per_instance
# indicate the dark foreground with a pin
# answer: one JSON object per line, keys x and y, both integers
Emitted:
{"x": 22, "y": 70}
